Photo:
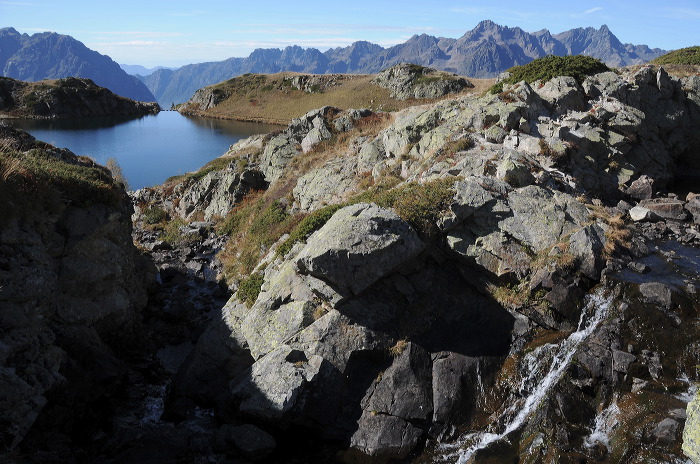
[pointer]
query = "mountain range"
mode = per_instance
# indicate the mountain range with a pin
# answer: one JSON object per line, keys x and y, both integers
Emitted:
{"x": 485, "y": 51}
{"x": 49, "y": 55}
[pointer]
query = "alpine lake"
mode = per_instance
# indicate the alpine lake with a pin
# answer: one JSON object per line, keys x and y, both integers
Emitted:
{"x": 149, "y": 149}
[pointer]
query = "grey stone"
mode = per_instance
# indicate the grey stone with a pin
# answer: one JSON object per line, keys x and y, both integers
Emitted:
{"x": 266, "y": 329}
{"x": 405, "y": 389}
{"x": 250, "y": 441}
{"x": 693, "y": 207}
{"x": 384, "y": 436}
{"x": 514, "y": 171}
{"x": 638, "y": 267}
{"x": 326, "y": 185}
{"x": 642, "y": 188}
{"x": 359, "y": 245}
{"x": 277, "y": 154}
{"x": 667, "y": 208}
{"x": 540, "y": 217}
{"x": 666, "y": 431}
{"x": 285, "y": 386}
{"x": 404, "y": 81}
{"x": 639, "y": 214}
{"x": 562, "y": 93}
{"x": 587, "y": 245}
{"x": 622, "y": 360}
{"x": 469, "y": 197}
{"x": 657, "y": 293}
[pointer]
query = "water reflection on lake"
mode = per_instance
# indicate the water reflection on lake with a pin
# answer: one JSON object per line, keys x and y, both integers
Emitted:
{"x": 150, "y": 148}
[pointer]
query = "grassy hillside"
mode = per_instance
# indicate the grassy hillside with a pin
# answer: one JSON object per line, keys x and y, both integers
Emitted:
{"x": 274, "y": 97}
{"x": 690, "y": 56}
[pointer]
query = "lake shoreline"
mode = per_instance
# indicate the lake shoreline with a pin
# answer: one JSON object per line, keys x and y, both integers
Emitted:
{"x": 150, "y": 148}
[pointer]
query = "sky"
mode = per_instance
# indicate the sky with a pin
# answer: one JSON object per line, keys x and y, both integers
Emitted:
{"x": 174, "y": 33}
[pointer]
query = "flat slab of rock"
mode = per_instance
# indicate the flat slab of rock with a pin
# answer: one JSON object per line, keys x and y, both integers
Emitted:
{"x": 667, "y": 208}
{"x": 359, "y": 245}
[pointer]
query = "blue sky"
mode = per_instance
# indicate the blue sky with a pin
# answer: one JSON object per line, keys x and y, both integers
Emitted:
{"x": 174, "y": 33}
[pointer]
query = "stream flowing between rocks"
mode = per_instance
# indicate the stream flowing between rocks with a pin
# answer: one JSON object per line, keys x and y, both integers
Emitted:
{"x": 543, "y": 367}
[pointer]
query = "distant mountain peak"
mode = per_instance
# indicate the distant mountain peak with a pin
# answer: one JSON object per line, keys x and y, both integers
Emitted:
{"x": 49, "y": 55}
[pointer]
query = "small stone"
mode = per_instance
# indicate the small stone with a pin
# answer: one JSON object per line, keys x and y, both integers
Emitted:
{"x": 622, "y": 360}
{"x": 667, "y": 208}
{"x": 679, "y": 413}
{"x": 638, "y": 385}
{"x": 666, "y": 431}
{"x": 638, "y": 267}
{"x": 639, "y": 213}
{"x": 642, "y": 188}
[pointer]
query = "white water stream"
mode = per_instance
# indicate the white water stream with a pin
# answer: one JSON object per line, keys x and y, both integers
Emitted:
{"x": 544, "y": 367}
{"x": 605, "y": 422}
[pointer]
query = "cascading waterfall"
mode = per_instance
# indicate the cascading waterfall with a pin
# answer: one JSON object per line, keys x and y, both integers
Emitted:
{"x": 544, "y": 367}
{"x": 604, "y": 424}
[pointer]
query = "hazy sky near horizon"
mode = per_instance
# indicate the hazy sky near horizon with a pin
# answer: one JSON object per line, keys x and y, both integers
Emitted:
{"x": 174, "y": 33}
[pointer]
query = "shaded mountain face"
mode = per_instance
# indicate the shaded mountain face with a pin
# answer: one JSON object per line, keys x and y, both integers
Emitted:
{"x": 483, "y": 52}
{"x": 54, "y": 56}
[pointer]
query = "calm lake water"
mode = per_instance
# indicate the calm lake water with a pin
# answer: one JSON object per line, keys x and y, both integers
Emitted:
{"x": 149, "y": 149}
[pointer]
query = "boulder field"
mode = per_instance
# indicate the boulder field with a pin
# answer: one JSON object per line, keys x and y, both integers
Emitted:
{"x": 382, "y": 338}
{"x": 506, "y": 278}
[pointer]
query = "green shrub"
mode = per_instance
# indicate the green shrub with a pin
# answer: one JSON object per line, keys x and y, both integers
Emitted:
{"x": 154, "y": 215}
{"x": 421, "y": 204}
{"x": 551, "y": 66}
{"x": 270, "y": 217}
{"x": 690, "y": 55}
{"x": 254, "y": 225}
{"x": 249, "y": 288}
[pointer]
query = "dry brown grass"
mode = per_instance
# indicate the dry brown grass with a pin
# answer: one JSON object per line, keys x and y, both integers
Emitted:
{"x": 618, "y": 235}
{"x": 398, "y": 347}
{"x": 676, "y": 70}
{"x": 272, "y": 100}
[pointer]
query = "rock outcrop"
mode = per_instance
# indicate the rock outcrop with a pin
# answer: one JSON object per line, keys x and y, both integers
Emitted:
{"x": 388, "y": 332}
{"x": 66, "y": 98}
{"x": 412, "y": 81}
{"x": 72, "y": 288}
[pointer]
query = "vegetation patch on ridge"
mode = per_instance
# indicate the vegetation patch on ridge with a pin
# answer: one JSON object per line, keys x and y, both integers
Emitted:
{"x": 79, "y": 180}
{"x": 551, "y": 66}
{"x": 689, "y": 55}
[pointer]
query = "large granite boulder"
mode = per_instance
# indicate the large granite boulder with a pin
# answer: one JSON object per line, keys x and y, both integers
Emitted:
{"x": 359, "y": 245}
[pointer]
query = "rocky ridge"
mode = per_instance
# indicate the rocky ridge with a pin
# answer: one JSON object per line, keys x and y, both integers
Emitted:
{"x": 467, "y": 235}
{"x": 62, "y": 98}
